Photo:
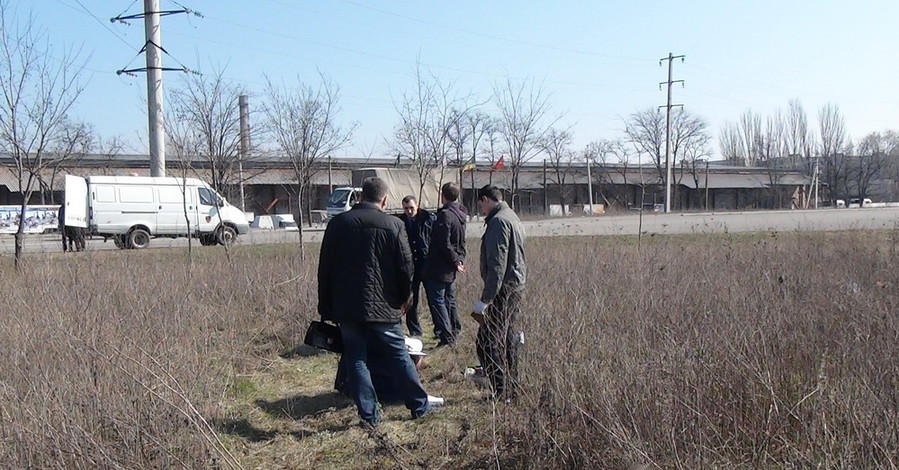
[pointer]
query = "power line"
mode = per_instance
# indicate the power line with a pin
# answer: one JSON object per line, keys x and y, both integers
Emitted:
{"x": 85, "y": 10}
{"x": 499, "y": 38}
{"x": 369, "y": 54}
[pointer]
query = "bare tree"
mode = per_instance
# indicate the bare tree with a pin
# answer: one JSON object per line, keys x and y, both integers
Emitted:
{"x": 184, "y": 143}
{"x": 109, "y": 150}
{"x": 873, "y": 152}
{"x": 205, "y": 108}
{"x": 524, "y": 121}
{"x": 39, "y": 86}
{"x": 729, "y": 143}
{"x": 76, "y": 139}
{"x": 645, "y": 130}
{"x": 772, "y": 154}
{"x": 459, "y": 136}
{"x": 798, "y": 136}
{"x": 493, "y": 145}
{"x": 694, "y": 158}
{"x": 832, "y": 149}
{"x": 303, "y": 123}
{"x": 556, "y": 145}
{"x": 467, "y": 136}
{"x": 613, "y": 157}
{"x": 427, "y": 115}
{"x": 751, "y": 139}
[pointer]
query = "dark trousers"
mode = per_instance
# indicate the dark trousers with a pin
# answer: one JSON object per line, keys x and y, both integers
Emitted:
{"x": 499, "y": 341}
{"x": 73, "y": 237}
{"x": 412, "y": 322}
{"x": 444, "y": 313}
{"x": 368, "y": 343}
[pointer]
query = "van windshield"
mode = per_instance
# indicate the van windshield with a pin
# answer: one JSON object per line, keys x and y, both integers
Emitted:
{"x": 209, "y": 197}
{"x": 339, "y": 197}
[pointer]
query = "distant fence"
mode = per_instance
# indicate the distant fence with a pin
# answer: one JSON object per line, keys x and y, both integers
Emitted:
{"x": 38, "y": 219}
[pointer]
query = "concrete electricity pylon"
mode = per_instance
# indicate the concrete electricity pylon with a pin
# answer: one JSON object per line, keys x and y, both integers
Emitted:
{"x": 153, "y": 50}
{"x": 668, "y": 107}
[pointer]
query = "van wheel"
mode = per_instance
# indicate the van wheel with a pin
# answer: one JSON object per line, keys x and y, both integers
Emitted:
{"x": 226, "y": 235}
{"x": 138, "y": 238}
{"x": 119, "y": 241}
{"x": 208, "y": 239}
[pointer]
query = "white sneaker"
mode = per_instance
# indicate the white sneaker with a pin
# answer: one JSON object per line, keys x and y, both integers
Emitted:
{"x": 435, "y": 401}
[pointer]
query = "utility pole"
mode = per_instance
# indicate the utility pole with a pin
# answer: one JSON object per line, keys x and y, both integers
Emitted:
{"x": 154, "y": 87}
{"x": 589, "y": 184}
{"x": 706, "y": 185}
{"x": 153, "y": 51}
{"x": 668, "y": 107}
{"x": 244, "y": 106}
{"x": 545, "y": 198}
{"x": 330, "y": 186}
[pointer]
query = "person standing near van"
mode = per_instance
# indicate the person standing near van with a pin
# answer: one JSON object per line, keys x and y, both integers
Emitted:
{"x": 419, "y": 223}
{"x": 364, "y": 284}
{"x": 503, "y": 271}
{"x": 446, "y": 258}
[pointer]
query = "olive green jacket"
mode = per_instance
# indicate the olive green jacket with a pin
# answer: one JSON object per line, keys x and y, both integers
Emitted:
{"x": 502, "y": 252}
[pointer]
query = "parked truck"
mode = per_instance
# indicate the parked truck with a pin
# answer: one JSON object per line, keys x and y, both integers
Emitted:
{"x": 401, "y": 182}
{"x": 133, "y": 209}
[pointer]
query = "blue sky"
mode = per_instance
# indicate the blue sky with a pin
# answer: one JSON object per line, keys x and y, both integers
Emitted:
{"x": 599, "y": 60}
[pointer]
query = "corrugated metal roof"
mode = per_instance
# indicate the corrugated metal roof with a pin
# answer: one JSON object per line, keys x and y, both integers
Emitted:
{"x": 531, "y": 178}
{"x": 742, "y": 181}
{"x": 8, "y": 179}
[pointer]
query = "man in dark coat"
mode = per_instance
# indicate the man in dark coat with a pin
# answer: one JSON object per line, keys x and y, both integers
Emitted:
{"x": 72, "y": 237}
{"x": 446, "y": 257}
{"x": 364, "y": 284}
{"x": 419, "y": 223}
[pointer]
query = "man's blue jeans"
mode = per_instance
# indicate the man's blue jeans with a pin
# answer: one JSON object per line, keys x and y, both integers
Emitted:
{"x": 365, "y": 343}
{"x": 444, "y": 314}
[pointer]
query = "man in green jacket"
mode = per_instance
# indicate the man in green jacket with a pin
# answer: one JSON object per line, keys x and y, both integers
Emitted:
{"x": 503, "y": 271}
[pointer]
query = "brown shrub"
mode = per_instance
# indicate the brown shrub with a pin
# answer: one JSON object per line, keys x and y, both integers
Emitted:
{"x": 121, "y": 359}
{"x": 745, "y": 351}
{"x": 733, "y": 351}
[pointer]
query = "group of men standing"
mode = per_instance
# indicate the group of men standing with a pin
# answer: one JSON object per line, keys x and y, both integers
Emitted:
{"x": 438, "y": 252}
{"x": 370, "y": 271}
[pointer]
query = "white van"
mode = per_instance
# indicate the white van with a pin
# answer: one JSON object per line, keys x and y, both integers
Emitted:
{"x": 133, "y": 209}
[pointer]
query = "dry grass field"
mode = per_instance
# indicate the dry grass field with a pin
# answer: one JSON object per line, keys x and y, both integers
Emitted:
{"x": 773, "y": 350}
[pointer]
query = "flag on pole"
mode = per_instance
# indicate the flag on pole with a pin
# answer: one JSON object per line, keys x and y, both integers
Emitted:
{"x": 469, "y": 164}
{"x": 500, "y": 164}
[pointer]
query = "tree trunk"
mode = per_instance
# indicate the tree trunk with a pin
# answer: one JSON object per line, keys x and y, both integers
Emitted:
{"x": 20, "y": 236}
{"x": 300, "y": 223}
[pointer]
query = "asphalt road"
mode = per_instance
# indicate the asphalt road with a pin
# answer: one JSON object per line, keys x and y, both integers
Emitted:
{"x": 627, "y": 224}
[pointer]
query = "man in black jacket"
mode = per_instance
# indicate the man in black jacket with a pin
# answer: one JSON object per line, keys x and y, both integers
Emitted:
{"x": 419, "y": 223}
{"x": 364, "y": 283}
{"x": 446, "y": 257}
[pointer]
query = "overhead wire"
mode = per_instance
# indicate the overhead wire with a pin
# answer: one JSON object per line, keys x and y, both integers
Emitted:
{"x": 392, "y": 59}
{"x": 85, "y": 10}
{"x": 500, "y": 38}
